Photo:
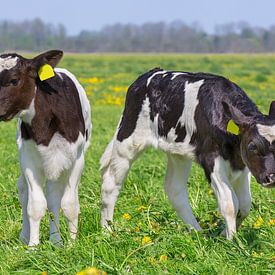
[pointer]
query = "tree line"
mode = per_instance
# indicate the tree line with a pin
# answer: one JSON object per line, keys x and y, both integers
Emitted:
{"x": 36, "y": 35}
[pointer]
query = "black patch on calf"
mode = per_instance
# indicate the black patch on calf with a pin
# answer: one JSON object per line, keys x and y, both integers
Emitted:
{"x": 26, "y": 131}
{"x": 57, "y": 109}
{"x": 272, "y": 110}
{"x": 211, "y": 139}
{"x": 167, "y": 101}
{"x": 180, "y": 132}
{"x": 51, "y": 85}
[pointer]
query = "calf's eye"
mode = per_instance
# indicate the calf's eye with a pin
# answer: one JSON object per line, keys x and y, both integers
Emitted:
{"x": 252, "y": 147}
{"x": 14, "y": 82}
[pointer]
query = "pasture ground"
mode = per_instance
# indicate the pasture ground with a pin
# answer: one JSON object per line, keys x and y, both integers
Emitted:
{"x": 148, "y": 237}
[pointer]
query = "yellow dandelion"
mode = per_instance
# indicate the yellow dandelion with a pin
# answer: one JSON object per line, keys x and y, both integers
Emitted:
{"x": 163, "y": 258}
{"x": 271, "y": 222}
{"x": 94, "y": 80}
{"x": 91, "y": 271}
{"x": 136, "y": 229}
{"x": 141, "y": 208}
{"x": 258, "y": 222}
{"x": 146, "y": 240}
{"x": 44, "y": 272}
{"x": 118, "y": 101}
{"x": 126, "y": 216}
{"x": 119, "y": 89}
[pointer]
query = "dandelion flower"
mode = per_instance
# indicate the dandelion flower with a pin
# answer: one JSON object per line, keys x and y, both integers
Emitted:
{"x": 271, "y": 222}
{"x": 163, "y": 258}
{"x": 94, "y": 80}
{"x": 126, "y": 216}
{"x": 258, "y": 222}
{"x": 141, "y": 208}
{"x": 136, "y": 229}
{"x": 146, "y": 240}
{"x": 91, "y": 271}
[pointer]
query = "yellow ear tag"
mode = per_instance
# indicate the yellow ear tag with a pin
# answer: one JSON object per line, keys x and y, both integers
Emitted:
{"x": 232, "y": 127}
{"x": 45, "y": 72}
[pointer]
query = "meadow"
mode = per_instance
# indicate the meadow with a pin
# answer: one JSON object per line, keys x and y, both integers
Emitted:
{"x": 148, "y": 237}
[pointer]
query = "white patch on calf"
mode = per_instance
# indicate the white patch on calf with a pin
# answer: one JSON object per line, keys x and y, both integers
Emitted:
{"x": 187, "y": 119}
{"x": 190, "y": 104}
{"x": 28, "y": 114}
{"x": 60, "y": 155}
{"x": 7, "y": 63}
{"x": 268, "y": 132}
{"x": 142, "y": 135}
{"x": 179, "y": 148}
{"x": 227, "y": 200}
{"x": 153, "y": 75}
{"x": 175, "y": 75}
{"x": 53, "y": 159}
{"x": 176, "y": 187}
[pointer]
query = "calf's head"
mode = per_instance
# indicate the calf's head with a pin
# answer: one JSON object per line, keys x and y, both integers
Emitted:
{"x": 18, "y": 76}
{"x": 257, "y": 144}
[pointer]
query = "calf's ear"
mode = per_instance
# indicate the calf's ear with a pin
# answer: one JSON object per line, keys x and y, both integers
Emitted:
{"x": 50, "y": 57}
{"x": 272, "y": 109}
{"x": 235, "y": 114}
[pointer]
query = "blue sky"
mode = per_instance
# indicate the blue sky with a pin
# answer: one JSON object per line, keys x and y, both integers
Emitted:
{"x": 93, "y": 15}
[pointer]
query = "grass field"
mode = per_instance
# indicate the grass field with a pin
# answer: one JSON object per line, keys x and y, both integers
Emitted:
{"x": 149, "y": 238}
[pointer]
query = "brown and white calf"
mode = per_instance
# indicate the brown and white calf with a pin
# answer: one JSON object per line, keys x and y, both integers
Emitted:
{"x": 186, "y": 115}
{"x": 53, "y": 134}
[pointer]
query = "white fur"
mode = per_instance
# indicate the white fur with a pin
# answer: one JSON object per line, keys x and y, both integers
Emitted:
{"x": 232, "y": 190}
{"x": 28, "y": 114}
{"x": 241, "y": 187}
{"x": 175, "y": 75}
{"x": 59, "y": 155}
{"x": 8, "y": 63}
{"x": 268, "y": 132}
{"x": 61, "y": 164}
{"x": 178, "y": 148}
{"x": 190, "y": 104}
{"x": 176, "y": 187}
{"x": 153, "y": 75}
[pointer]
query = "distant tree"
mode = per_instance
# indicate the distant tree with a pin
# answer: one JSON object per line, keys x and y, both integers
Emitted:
{"x": 36, "y": 35}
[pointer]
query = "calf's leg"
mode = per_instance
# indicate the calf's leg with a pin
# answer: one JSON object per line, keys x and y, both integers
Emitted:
{"x": 242, "y": 190}
{"x": 70, "y": 201}
{"x": 23, "y": 197}
{"x": 176, "y": 187}
{"x": 227, "y": 199}
{"x": 116, "y": 162}
{"x": 36, "y": 205}
{"x": 54, "y": 194}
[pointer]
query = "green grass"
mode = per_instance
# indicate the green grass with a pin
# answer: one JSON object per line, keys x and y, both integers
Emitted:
{"x": 251, "y": 252}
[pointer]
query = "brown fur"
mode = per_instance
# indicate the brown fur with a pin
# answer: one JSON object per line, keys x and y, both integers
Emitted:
{"x": 56, "y": 100}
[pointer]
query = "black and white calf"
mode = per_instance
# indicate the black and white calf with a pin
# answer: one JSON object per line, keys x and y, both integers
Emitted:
{"x": 53, "y": 134}
{"x": 186, "y": 115}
